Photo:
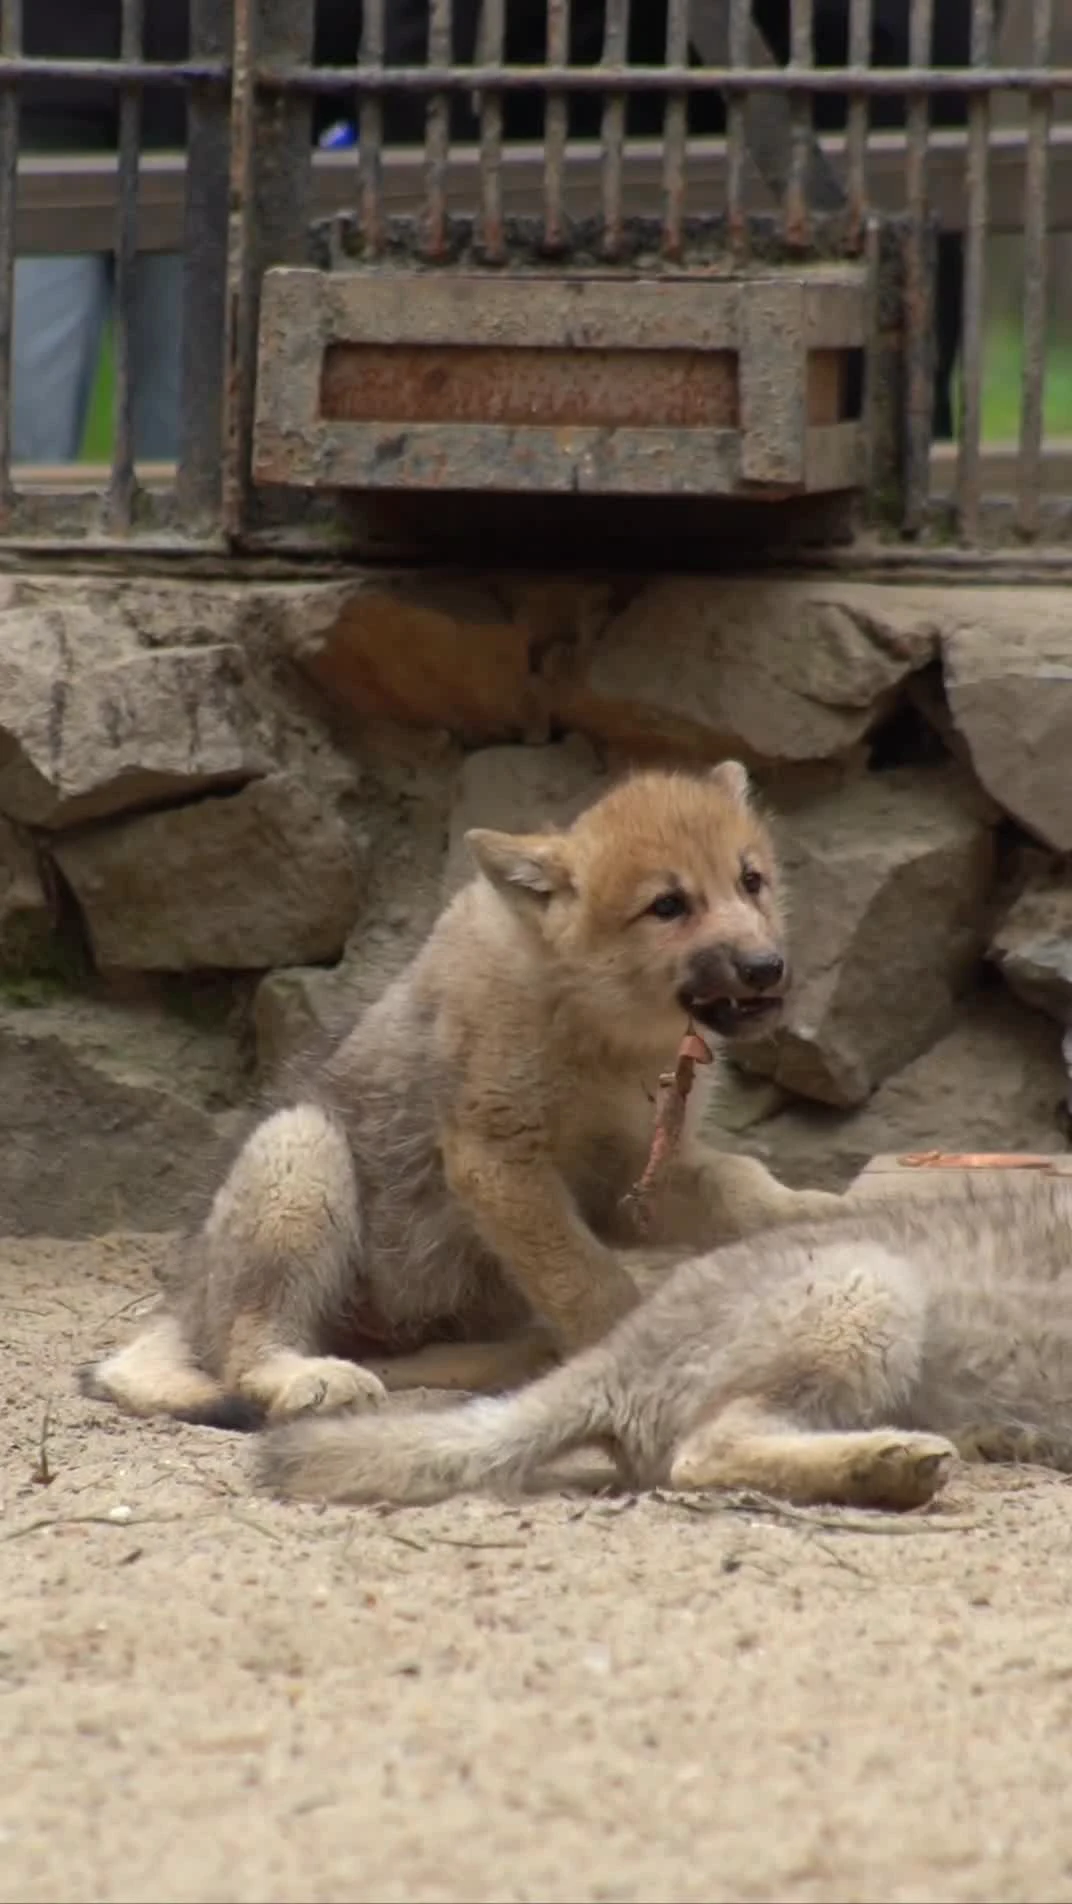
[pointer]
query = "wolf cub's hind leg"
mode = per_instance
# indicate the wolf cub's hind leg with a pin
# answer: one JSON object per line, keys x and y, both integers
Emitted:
{"x": 825, "y": 1363}
{"x": 281, "y": 1244}
{"x": 745, "y": 1448}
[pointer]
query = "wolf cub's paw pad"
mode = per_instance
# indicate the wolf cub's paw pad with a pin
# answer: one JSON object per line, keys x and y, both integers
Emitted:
{"x": 326, "y": 1385}
{"x": 904, "y": 1473}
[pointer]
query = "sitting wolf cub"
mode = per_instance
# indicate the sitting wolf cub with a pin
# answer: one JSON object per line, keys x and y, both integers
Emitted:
{"x": 455, "y": 1177}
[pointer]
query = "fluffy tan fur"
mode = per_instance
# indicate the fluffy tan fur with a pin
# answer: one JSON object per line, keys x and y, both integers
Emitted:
{"x": 444, "y": 1201}
{"x": 847, "y": 1363}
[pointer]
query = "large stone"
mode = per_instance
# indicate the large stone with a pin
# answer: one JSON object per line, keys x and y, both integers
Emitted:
{"x": 887, "y": 892}
{"x": 437, "y": 653}
{"x": 519, "y": 790}
{"x": 1032, "y": 945}
{"x": 996, "y": 1081}
{"x": 25, "y": 913}
{"x": 790, "y": 671}
{"x": 267, "y": 876}
{"x": 91, "y": 724}
{"x": 297, "y": 1012}
{"x": 110, "y": 1116}
{"x": 1008, "y": 677}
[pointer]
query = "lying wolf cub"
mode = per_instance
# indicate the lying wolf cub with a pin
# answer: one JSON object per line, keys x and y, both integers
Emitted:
{"x": 845, "y": 1363}
{"x": 455, "y": 1177}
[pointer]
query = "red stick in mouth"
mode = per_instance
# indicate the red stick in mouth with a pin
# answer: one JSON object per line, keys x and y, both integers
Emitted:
{"x": 673, "y": 1096}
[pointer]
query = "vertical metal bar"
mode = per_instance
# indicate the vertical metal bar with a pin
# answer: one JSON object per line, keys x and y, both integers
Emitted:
{"x": 737, "y": 128}
{"x": 801, "y": 54}
{"x": 556, "y": 127}
{"x": 490, "y": 53}
{"x": 918, "y": 330}
{"x": 240, "y": 322}
{"x": 437, "y": 133}
{"x": 675, "y": 131}
{"x": 204, "y": 295}
{"x": 10, "y": 46}
{"x": 269, "y": 212}
{"x": 858, "y": 122}
{"x": 1036, "y": 246}
{"x": 969, "y": 462}
{"x": 119, "y": 508}
{"x": 370, "y": 134}
{"x": 615, "y": 54}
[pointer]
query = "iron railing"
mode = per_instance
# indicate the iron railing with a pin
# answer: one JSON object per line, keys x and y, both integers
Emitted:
{"x": 704, "y": 138}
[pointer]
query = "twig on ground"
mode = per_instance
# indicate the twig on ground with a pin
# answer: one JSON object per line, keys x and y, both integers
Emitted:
{"x": 85, "y": 1520}
{"x": 42, "y": 1475}
{"x": 844, "y": 1522}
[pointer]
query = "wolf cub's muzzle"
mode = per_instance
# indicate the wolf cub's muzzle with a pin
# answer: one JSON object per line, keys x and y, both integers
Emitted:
{"x": 734, "y": 993}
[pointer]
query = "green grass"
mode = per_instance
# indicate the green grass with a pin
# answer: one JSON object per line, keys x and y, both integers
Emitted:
{"x": 1002, "y": 371}
{"x": 97, "y": 441}
{"x": 1003, "y": 368}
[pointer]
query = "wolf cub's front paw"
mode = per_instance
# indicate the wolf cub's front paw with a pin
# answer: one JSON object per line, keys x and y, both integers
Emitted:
{"x": 325, "y": 1385}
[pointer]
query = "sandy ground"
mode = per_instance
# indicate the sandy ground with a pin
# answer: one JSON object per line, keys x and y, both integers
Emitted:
{"x": 207, "y": 1696}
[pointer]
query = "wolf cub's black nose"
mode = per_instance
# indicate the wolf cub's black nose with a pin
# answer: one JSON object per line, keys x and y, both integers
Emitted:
{"x": 759, "y": 970}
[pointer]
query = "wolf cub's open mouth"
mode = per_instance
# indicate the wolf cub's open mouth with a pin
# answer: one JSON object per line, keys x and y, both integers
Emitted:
{"x": 733, "y": 1017}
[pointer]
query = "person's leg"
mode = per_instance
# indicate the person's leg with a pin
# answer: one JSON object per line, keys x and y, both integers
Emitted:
{"x": 156, "y": 346}
{"x": 58, "y": 320}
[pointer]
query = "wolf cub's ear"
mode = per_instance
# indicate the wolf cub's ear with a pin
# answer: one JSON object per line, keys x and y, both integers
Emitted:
{"x": 527, "y": 862}
{"x": 732, "y": 777}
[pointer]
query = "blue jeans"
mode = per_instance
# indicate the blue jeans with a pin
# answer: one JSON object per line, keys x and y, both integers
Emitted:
{"x": 61, "y": 307}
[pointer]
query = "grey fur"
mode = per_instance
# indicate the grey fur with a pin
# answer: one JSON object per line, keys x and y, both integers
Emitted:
{"x": 844, "y": 1362}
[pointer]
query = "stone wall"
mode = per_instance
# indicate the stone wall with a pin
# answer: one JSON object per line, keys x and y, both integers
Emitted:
{"x": 228, "y": 812}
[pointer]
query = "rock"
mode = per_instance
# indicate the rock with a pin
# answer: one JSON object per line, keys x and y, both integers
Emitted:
{"x": 1008, "y": 680}
{"x": 438, "y": 653}
{"x": 92, "y": 725}
{"x": 109, "y": 1116}
{"x": 296, "y": 1012}
{"x": 519, "y": 790}
{"x": 790, "y": 671}
{"x": 994, "y": 1082}
{"x": 264, "y": 877}
{"x": 26, "y": 918}
{"x": 887, "y": 894}
{"x": 1032, "y": 946}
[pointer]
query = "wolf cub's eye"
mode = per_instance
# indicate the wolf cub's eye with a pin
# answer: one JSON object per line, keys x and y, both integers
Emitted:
{"x": 669, "y": 905}
{"x": 752, "y": 880}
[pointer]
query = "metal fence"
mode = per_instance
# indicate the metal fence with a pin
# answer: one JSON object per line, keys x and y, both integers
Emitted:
{"x": 624, "y": 138}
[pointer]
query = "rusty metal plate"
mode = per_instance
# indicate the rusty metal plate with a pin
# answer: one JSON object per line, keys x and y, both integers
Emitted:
{"x": 389, "y": 379}
{"x": 461, "y": 383}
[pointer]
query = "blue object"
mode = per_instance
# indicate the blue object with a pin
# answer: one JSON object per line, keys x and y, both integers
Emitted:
{"x": 338, "y": 137}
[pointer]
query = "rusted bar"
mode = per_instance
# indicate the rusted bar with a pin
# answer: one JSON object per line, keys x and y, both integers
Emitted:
{"x": 615, "y": 53}
{"x": 370, "y": 133}
{"x": 797, "y": 223}
{"x": 204, "y": 274}
{"x": 675, "y": 132}
{"x": 918, "y": 330}
{"x": 969, "y": 470}
{"x": 241, "y": 307}
{"x": 736, "y": 128}
{"x": 858, "y": 120}
{"x": 437, "y": 134}
{"x": 114, "y": 73}
{"x": 1036, "y": 248}
{"x": 120, "y": 502}
{"x": 492, "y": 38}
{"x": 269, "y": 205}
{"x": 887, "y": 82}
{"x": 10, "y": 41}
{"x": 556, "y": 122}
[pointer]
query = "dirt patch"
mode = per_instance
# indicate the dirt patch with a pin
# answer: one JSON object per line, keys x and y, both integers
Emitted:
{"x": 206, "y": 1696}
